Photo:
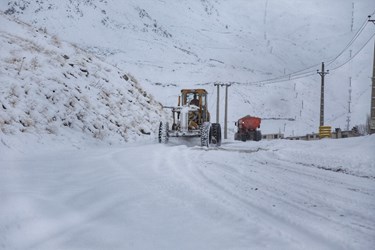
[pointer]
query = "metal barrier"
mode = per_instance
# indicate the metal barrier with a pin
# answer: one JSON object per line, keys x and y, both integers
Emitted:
{"x": 325, "y": 132}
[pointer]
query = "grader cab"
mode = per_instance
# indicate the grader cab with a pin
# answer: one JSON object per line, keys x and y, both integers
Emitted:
{"x": 191, "y": 118}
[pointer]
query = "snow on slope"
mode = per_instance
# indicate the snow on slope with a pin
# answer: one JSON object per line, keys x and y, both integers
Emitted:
{"x": 169, "y": 45}
{"x": 276, "y": 194}
{"x": 52, "y": 87}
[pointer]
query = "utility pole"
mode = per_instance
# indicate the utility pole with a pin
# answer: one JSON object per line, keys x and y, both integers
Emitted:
{"x": 372, "y": 111}
{"x": 217, "y": 100}
{"x": 322, "y": 74}
{"x": 226, "y": 111}
{"x": 218, "y": 85}
{"x": 349, "y": 104}
{"x": 350, "y": 93}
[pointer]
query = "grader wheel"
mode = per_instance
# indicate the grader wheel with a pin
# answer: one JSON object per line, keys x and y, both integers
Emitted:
{"x": 163, "y": 132}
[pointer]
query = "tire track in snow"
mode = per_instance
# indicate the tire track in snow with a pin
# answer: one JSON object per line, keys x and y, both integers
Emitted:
{"x": 267, "y": 217}
{"x": 308, "y": 178}
{"x": 288, "y": 202}
{"x": 190, "y": 180}
{"x": 202, "y": 176}
{"x": 224, "y": 197}
{"x": 346, "y": 194}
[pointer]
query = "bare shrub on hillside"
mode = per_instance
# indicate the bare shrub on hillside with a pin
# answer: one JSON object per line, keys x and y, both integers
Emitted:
{"x": 56, "y": 40}
{"x": 12, "y": 60}
{"x": 132, "y": 78}
{"x": 105, "y": 94}
{"x": 13, "y": 101}
{"x": 99, "y": 134}
{"x": 60, "y": 59}
{"x": 51, "y": 129}
{"x": 26, "y": 89}
{"x": 86, "y": 102}
{"x": 4, "y": 121}
{"x": 27, "y": 122}
{"x": 34, "y": 64}
{"x": 44, "y": 30}
{"x": 14, "y": 91}
{"x": 33, "y": 47}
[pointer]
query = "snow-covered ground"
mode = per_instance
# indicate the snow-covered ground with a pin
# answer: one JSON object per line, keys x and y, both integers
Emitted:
{"x": 269, "y": 195}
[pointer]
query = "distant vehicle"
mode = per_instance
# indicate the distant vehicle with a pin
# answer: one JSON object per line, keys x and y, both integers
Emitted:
{"x": 247, "y": 129}
{"x": 191, "y": 119}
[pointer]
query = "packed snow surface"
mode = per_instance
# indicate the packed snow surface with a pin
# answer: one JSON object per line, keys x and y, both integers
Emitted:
{"x": 255, "y": 195}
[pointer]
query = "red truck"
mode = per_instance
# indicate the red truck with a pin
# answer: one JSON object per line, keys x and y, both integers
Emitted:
{"x": 247, "y": 129}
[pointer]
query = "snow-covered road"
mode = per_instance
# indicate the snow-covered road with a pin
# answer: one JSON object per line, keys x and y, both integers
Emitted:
{"x": 267, "y": 195}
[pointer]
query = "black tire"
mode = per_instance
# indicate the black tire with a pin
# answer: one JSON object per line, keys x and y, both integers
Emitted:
{"x": 163, "y": 132}
{"x": 174, "y": 126}
{"x": 211, "y": 133}
{"x": 243, "y": 137}
{"x": 205, "y": 134}
{"x": 216, "y": 134}
{"x": 258, "y": 135}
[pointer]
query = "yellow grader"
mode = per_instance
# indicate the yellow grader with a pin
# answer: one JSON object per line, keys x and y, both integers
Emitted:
{"x": 191, "y": 119}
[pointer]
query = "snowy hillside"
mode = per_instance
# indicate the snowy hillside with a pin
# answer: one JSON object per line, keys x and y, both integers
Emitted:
{"x": 169, "y": 45}
{"x": 49, "y": 86}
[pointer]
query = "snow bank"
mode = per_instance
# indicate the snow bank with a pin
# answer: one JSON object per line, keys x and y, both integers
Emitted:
{"x": 352, "y": 156}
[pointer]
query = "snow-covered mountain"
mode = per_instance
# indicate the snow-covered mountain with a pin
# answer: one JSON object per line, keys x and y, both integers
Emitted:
{"x": 49, "y": 86}
{"x": 169, "y": 45}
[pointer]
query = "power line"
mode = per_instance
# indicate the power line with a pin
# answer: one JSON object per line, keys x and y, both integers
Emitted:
{"x": 291, "y": 77}
{"x": 360, "y": 30}
{"x": 350, "y": 42}
{"x": 307, "y": 74}
{"x": 351, "y": 58}
{"x": 301, "y": 74}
